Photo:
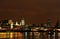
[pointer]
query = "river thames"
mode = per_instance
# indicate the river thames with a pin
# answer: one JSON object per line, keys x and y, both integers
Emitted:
{"x": 19, "y": 35}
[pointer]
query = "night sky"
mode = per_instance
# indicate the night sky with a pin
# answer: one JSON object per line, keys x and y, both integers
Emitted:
{"x": 34, "y": 11}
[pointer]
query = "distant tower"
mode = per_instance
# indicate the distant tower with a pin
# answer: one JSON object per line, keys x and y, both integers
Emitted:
{"x": 11, "y": 23}
{"x": 22, "y": 22}
{"x": 49, "y": 23}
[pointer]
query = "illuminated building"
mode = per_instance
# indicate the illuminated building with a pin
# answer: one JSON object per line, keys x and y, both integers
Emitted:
{"x": 0, "y": 27}
{"x": 22, "y": 22}
{"x": 17, "y": 24}
{"x": 11, "y": 23}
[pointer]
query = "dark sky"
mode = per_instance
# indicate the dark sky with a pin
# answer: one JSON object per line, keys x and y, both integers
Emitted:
{"x": 34, "y": 11}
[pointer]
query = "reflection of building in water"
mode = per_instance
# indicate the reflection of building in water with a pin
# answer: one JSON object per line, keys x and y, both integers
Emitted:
{"x": 2, "y": 35}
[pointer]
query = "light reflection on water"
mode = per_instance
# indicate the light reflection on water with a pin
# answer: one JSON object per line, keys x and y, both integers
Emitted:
{"x": 19, "y": 35}
{"x": 14, "y": 35}
{"x": 11, "y": 35}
